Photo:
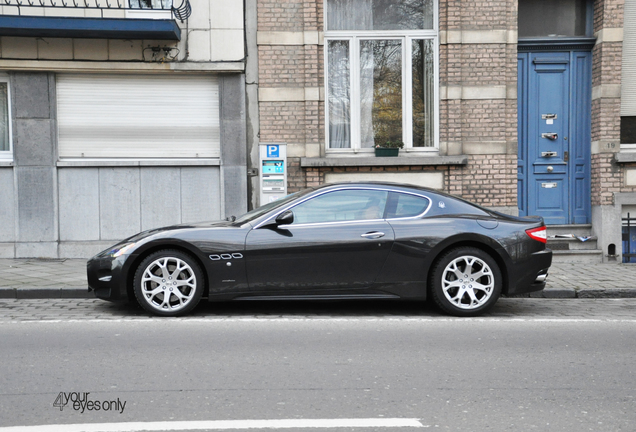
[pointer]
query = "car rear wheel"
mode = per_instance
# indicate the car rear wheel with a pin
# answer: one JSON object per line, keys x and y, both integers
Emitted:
{"x": 168, "y": 283}
{"x": 466, "y": 282}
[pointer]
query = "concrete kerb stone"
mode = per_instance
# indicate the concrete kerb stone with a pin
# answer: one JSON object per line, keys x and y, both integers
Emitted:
{"x": 46, "y": 293}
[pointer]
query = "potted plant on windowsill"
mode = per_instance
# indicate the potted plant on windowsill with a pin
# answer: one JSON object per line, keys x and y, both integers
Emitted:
{"x": 389, "y": 148}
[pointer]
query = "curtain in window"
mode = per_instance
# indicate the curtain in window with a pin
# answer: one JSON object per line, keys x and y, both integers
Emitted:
{"x": 379, "y": 14}
{"x": 4, "y": 118}
{"x": 339, "y": 94}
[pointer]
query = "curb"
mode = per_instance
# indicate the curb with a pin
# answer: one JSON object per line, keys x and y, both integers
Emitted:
{"x": 46, "y": 293}
{"x": 571, "y": 293}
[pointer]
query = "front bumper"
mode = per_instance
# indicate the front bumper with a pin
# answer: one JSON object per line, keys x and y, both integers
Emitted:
{"x": 107, "y": 277}
{"x": 530, "y": 275}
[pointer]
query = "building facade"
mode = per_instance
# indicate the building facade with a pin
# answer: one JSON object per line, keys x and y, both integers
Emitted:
{"x": 515, "y": 105}
{"x": 143, "y": 113}
{"x": 118, "y": 117}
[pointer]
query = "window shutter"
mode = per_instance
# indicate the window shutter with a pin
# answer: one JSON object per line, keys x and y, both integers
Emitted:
{"x": 628, "y": 88}
{"x": 138, "y": 116}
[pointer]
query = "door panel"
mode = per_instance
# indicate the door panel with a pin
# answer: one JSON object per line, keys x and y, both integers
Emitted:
{"x": 326, "y": 256}
{"x": 548, "y": 117}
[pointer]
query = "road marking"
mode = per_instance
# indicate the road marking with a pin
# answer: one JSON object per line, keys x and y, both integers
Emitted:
{"x": 187, "y": 320}
{"x": 222, "y": 425}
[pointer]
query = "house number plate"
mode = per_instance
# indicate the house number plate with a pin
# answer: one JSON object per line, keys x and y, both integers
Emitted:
{"x": 548, "y": 185}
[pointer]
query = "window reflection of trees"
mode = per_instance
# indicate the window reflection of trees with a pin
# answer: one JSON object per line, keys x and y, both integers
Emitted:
{"x": 379, "y": 70}
{"x": 423, "y": 93}
{"x": 381, "y": 91}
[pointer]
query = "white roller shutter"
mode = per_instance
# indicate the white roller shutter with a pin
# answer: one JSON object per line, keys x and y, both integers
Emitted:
{"x": 138, "y": 116}
{"x": 628, "y": 87}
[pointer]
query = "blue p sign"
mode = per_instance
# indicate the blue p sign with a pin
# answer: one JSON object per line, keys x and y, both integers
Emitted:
{"x": 272, "y": 151}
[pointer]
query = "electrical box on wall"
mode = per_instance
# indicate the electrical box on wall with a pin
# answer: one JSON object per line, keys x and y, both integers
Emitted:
{"x": 273, "y": 171}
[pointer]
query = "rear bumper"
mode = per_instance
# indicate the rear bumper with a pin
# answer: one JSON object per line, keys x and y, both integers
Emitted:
{"x": 530, "y": 274}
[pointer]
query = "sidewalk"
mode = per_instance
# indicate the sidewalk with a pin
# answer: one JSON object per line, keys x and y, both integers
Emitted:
{"x": 66, "y": 278}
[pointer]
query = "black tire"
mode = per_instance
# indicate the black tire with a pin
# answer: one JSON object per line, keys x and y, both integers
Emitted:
{"x": 168, "y": 283}
{"x": 455, "y": 292}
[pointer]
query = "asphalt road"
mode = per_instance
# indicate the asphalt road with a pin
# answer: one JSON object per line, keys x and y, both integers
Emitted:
{"x": 548, "y": 365}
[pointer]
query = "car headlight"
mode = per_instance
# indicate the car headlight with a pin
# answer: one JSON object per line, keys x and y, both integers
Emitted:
{"x": 121, "y": 249}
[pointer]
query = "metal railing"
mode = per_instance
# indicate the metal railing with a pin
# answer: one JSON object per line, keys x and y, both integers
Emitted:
{"x": 181, "y": 12}
{"x": 629, "y": 239}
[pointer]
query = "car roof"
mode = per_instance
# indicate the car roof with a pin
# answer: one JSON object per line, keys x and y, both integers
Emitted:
{"x": 383, "y": 185}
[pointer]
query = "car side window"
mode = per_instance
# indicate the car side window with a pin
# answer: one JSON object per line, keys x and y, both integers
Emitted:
{"x": 405, "y": 205}
{"x": 342, "y": 205}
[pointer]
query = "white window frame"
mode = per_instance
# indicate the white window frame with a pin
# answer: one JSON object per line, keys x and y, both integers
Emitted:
{"x": 7, "y": 155}
{"x": 406, "y": 36}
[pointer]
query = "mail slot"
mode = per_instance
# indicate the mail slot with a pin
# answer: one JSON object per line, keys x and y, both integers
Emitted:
{"x": 549, "y": 185}
{"x": 549, "y": 154}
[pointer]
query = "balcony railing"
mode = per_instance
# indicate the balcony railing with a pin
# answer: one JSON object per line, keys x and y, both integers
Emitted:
{"x": 105, "y": 7}
{"x": 97, "y": 19}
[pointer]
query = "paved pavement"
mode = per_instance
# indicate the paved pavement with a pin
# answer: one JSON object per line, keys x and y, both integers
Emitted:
{"x": 66, "y": 278}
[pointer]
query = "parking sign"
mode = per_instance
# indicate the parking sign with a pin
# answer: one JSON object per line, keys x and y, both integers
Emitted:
{"x": 272, "y": 151}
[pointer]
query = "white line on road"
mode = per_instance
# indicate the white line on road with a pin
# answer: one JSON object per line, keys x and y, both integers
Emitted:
{"x": 222, "y": 425}
{"x": 314, "y": 319}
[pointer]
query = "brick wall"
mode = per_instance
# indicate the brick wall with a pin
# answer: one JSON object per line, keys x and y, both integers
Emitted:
{"x": 607, "y": 177}
{"x": 488, "y": 179}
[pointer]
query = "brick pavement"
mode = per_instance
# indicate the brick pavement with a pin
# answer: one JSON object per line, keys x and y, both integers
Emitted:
{"x": 48, "y": 310}
{"x": 66, "y": 278}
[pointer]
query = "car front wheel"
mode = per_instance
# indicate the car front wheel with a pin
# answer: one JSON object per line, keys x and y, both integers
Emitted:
{"x": 466, "y": 282}
{"x": 168, "y": 283}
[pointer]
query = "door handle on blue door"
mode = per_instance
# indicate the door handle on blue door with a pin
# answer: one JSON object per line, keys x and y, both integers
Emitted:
{"x": 373, "y": 235}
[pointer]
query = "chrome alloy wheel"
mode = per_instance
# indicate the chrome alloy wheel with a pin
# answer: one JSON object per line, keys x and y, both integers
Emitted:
{"x": 468, "y": 282}
{"x": 168, "y": 284}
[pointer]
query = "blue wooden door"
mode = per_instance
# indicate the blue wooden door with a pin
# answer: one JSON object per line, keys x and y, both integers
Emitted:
{"x": 554, "y": 90}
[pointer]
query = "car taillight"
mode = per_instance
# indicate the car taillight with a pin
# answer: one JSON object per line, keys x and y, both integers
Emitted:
{"x": 538, "y": 234}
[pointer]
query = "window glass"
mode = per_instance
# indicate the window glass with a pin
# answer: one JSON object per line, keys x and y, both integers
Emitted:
{"x": 339, "y": 94}
{"x": 4, "y": 118}
{"x": 423, "y": 93}
{"x": 405, "y": 205}
{"x": 379, "y": 14}
{"x": 381, "y": 88}
{"x": 151, "y": 4}
{"x": 260, "y": 211}
{"x": 553, "y": 18}
{"x": 380, "y": 92}
{"x": 345, "y": 205}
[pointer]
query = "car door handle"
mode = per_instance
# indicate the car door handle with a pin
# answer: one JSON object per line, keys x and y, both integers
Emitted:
{"x": 373, "y": 235}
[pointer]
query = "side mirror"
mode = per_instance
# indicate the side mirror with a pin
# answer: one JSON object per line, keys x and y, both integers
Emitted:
{"x": 285, "y": 218}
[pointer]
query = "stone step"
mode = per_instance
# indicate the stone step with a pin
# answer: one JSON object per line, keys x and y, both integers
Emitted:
{"x": 580, "y": 230}
{"x": 572, "y": 243}
{"x": 586, "y": 256}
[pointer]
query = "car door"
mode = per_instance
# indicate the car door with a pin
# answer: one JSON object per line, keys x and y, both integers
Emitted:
{"x": 338, "y": 240}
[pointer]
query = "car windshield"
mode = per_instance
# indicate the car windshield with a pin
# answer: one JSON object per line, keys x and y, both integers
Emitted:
{"x": 258, "y": 212}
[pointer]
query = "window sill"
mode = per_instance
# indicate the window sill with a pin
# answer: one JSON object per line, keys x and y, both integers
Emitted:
{"x": 624, "y": 157}
{"x": 79, "y": 163}
{"x": 6, "y": 163}
{"x": 383, "y": 161}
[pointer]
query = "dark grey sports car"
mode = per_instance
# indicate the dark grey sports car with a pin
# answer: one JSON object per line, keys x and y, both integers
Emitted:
{"x": 339, "y": 241}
